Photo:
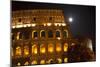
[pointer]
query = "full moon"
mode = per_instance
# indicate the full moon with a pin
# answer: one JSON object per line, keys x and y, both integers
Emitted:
{"x": 70, "y": 19}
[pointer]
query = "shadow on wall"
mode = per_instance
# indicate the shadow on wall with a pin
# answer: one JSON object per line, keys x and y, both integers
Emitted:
{"x": 82, "y": 52}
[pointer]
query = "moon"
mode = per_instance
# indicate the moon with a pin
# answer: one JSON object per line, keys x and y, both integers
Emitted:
{"x": 70, "y": 19}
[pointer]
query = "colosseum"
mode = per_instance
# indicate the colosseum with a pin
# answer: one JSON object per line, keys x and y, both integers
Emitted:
{"x": 40, "y": 36}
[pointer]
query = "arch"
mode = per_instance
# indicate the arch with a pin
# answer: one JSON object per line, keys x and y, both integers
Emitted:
{"x": 42, "y": 48}
{"x": 18, "y": 64}
{"x": 59, "y": 60}
{"x": 34, "y": 62}
{"x": 65, "y": 34}
{"x": 58, "y": 47}
{"x": 26, "y": 63}
{"x": 42, "y": 62}
{"x": 65, "y": 47}
{"x": 58, "y": 34}
{"x": 65, "y": 60}
{"x": 34, "y": 49}
{"x": 50, "y": 61}
{"x": 50, "y": 34}
{"x": 19, "y": 35}
{"x": 42, "y": 33}
{"x": 34, "y": 34}
{"x": 26, "y": 50}
{"x": 18, "y": 50}
{"x": 50, "y": 48}
{"x": 26, "y": 35}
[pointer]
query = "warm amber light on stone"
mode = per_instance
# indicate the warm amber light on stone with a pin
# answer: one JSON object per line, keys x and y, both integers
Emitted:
{"x": 63, "y": 24}
{"x": 34, "y": 62}
{"x": 42, "y": 62}
{"x": 49, "y": 61}
{"x": 34, "y": 49}
{"x": 65, "y": 47}
{"x": 44, "y": 24}
{"x": 26, "y": 63}
{"x": 18, "y": 64}
{"x": 65, "y": 60}
{"x": 19, "y": 26}
{"x": 42, "y": 48}
{"x": 50, "y": 48}
{"x": 48, "y": 24}
{"x": 58, "y": 38}
{"x": 59, "y": 60}
{"x": 13, "y": 26}
{"x": 33, "y": 25}
{"x": 58, "y": 47}
{"x": 44, "y": 32}
{"x": 17, "y": 37}
{"x": 18, "y": 50}
{"x": 26, "y": 50}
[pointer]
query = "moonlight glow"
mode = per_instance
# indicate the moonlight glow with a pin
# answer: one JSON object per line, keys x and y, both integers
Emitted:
{"x": 70, "y": 19}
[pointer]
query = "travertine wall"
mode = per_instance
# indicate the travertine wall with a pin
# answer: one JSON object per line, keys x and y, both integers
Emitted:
{"x": 39, "y": 17}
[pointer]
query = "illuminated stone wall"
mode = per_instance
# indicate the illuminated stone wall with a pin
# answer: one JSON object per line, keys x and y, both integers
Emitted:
{"x": 39, "y": 36}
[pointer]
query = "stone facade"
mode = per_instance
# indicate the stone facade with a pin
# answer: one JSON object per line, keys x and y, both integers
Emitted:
{"x": 39, "y": 36}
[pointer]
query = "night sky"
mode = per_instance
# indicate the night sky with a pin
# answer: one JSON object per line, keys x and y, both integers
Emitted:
{"x": 83, "y": 16}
